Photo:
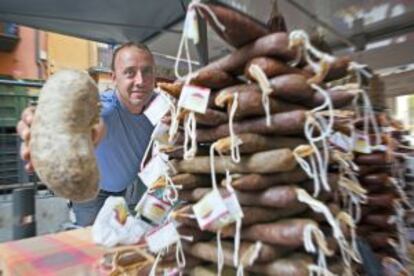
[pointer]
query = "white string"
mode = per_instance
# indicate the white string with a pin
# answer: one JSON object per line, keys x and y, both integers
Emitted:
{"x": 175, "y": 113}
{"x": 237, "y": 242}
{"x": 212, "y": 166}
{"x": 261, "y": 78}
{"x": 318, "y": 170}
{"x": 172, "y": 111}
{"x": 184, "y": 37}
{"x": 179, "y": 255}
{"x": 234, "y": 139}
{"x": 402, "y": 232}
{"x": 320, "y": 207}
{"x": 321, "y": 167}
{"x": 252, "y": 254}
{"x": 171, "y": 190}
{"x": 301, "y": 38}
{"x": 230, "y": 189}
{"x": 220, "y": 255}
{"x": 401, "y": 192}
{"x": 190, "y": 133}
{"x": 198, "y": 4}
{"x": 147, "y": 151}
{"x": 322, "y": 250}
{"x": 153, "y": 271}
{"x": 311, "y": 169}
{"x": 183, "y": 43}
{"x": 326, "y": 104}
{"x": 319, "y": 271}
{"x": 369, "y": 115}
{"x": 349, "y": 221}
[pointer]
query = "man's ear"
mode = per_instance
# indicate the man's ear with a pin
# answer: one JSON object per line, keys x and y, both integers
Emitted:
{"x": 113, "y": 77}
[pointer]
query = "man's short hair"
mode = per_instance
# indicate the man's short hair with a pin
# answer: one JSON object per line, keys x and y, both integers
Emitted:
{"x": 137, "y": 45}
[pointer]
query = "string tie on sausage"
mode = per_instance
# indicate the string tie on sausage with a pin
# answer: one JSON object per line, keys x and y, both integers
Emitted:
{"x": 300, "y": 40}
{"x": 257, "y": 73}
{"x": 349, "y": 221}
{"x": 320, "y": 207}
{"x": 190, "y": 136}
{"x": 322, "y": 250}
{"x": 235, "y": 141}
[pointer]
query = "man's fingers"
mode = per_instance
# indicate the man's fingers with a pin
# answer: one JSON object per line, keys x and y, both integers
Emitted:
{"x": 29, "y": 167}
{"x": 25, "y": 152}
{"x": 25, "y": 155}
{"x": 23, "y": 130}
{"x": 28, "y": 114}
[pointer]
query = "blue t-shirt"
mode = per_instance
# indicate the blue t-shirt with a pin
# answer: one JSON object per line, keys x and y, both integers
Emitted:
{"x": 120, "y": 151}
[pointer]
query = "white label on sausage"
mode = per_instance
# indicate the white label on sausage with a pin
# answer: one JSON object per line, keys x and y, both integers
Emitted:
{"x": 155, "y": 168}
{"x": 210, "y": 209}
{"x": 157, "y": 109}
{"x": 194, "y": 98}
{"x": 234, "y": 212}
{"x": 160, "y": 133}
{"x": 153, "y": 207}
{"x": 342, "y": 141}
{"x": 233, "y": 205}
{"x": 162, "y": 237}
{"x": 362, "y": 144}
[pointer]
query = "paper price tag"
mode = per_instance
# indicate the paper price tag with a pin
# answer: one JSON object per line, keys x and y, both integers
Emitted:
{"x": 194, "y": 98}
{"x": 233, "y": 205}
{"x": 234, "y": 212}
{"x": 362, "y": 144}
{"x": 342, "y": 141}
{"x": 210, "y": 209}
{"x": 160, "y": 133}
{"x": 155, "y": 168}
{"x": 382, "y": 148}
{"x": 153, "y": 207}
{"x": 172, "y": 272}
{"x": 157, "y": 109}
{"x": 162, "y": 237}
{"x": 191, "y": 30}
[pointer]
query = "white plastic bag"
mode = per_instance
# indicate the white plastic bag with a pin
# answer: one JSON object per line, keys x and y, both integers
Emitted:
{"x": 114, "y": 225}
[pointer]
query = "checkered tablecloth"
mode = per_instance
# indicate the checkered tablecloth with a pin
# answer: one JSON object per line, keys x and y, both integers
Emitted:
{"x": 66, "y": 253}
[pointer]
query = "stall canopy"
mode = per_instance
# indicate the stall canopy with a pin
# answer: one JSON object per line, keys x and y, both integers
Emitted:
{"x": 379, "y": 33}
{"x": 110, "y": 21}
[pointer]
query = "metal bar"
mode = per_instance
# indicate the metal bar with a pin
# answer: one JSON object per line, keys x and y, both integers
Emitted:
{"x": 202, "y": 45}
{"x": 316, "y": 19}
{"x": 20, "y": 185}
{"x": 24, "y": 211}
{"x": 21, "y": 83}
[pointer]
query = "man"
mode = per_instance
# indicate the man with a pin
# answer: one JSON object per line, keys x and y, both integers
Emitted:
{"x": 123, "y": 132}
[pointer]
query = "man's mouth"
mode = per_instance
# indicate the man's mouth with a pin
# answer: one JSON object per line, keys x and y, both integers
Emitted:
{"x": 137, "y": 94}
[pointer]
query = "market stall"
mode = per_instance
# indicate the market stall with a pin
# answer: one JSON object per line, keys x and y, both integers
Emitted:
{"x": 275, "y": 162}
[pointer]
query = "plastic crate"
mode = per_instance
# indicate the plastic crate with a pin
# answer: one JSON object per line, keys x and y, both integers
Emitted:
{"x": 11, "y": 166}
{"x": 12, "y": 102}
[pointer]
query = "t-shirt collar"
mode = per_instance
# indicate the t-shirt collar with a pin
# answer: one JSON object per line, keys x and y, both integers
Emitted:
{"x": 123, "y": 107}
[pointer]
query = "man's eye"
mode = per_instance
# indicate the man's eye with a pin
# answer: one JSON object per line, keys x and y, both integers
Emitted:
{"x": 147, "y": 71}
{"x": 129, "y": 73}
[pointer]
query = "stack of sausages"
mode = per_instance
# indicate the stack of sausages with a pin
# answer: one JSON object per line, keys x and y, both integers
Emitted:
{"x": 267, "y": 178}
{"x": 383, "y": 215}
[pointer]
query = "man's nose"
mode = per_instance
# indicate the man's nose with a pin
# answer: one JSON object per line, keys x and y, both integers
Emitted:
{"x": 139, "y": 77}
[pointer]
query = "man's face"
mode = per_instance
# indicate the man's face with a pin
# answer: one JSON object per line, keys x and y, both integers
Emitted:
{"x": 134, "y": 76}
